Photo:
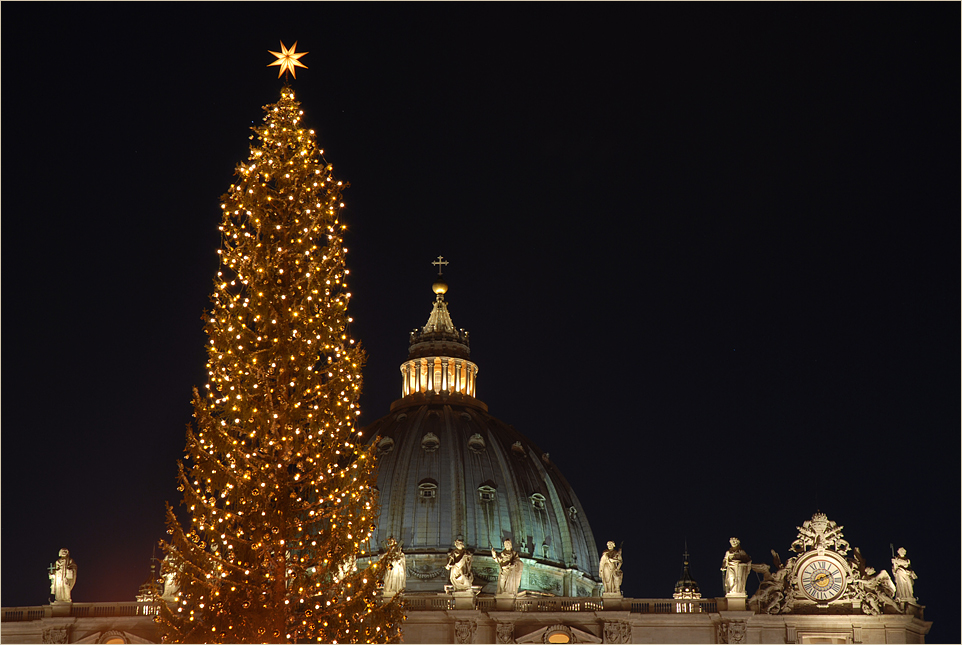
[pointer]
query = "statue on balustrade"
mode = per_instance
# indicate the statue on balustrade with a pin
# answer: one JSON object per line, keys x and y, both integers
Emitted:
{"x": 459, "y": 566}
{"x": 396, "y": 575}
{"x": 63, "y": 576}
{"x": 171, "y": 586}
{"x": 509, "y": 569}
{"x": 610, "y": 568}
{"x": 904, "y": 576}
{"x": 347, "y": 566}
{"x": 735, "y": 568}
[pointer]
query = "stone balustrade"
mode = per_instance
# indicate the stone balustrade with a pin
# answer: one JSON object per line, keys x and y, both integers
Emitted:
{"x": 555, "y": 604}
{"x": 439, "y": 602}
{"x": 80, "y": 610}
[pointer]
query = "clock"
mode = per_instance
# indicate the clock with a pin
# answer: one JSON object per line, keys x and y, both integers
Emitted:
{"x": 822, "y": 578}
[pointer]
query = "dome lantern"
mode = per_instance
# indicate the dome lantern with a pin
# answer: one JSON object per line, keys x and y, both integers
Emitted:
{"x": 438, "y": 354}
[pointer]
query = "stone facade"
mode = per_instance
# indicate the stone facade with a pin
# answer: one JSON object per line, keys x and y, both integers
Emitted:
{"x": 432, "y": 618}
{"x": 88, "y": 622}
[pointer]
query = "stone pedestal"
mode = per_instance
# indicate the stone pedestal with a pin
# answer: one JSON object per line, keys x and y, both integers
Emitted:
{"x": 504, "y": 601}
{"x": 736, "y": 601}
{"x": 913, "y": 609}
{"x": 60, "y": 607}
{"x": 464, "y": 599}
{"x": 612, "y": 601}
{"x": 387, "y": 596}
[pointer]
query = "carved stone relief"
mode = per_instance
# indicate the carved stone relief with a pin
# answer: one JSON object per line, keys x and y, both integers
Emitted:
{"x": 546, "y": 582}
{"x": 732, "y": 631}
{"x": 721, "y": 632}
{"x": 820, "y": 532}
{"x": 617, "y": 632}
{"x": 55, "y": 635}
{"x": 464, "y": 631}
{"x": 505, "y": 632}
{"x": 737, "y": 631}
{"x": 425, "y": 572}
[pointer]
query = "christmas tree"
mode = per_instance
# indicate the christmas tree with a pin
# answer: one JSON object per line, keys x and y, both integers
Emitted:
{"x": 279, "y": 487}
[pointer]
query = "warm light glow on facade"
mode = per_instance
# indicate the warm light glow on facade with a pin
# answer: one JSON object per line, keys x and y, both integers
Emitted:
{"x": 438, "y": 374}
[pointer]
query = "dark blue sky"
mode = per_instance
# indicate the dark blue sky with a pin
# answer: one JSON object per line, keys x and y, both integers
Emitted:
{"x": 704, "y": 256}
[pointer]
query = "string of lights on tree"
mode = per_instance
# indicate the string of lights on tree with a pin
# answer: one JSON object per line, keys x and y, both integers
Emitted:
{"x": 279, "y": 487}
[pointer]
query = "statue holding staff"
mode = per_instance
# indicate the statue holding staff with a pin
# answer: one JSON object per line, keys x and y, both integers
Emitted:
{"x": 63, "y": 576}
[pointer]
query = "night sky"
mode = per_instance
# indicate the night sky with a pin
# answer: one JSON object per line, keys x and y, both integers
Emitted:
{"x": 708, "y": 256}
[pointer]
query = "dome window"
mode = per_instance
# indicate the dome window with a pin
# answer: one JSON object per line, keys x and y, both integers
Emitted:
{"x": 476, "y": 443}
{"x": 518, "y": 449}
{"x": 487, "y": 493}
{"x": 537, "y": 500}
{"x": 428, "y": 489}
{"x": 385, "y": 445}
{"x": 430, "y": 442}
{"x": 573, "y": 513}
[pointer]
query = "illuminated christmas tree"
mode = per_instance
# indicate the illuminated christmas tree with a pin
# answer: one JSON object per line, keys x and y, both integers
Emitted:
{"x": 279, "y": 487}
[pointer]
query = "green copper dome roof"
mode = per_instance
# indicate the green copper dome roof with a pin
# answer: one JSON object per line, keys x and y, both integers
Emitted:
{"x": 449, "y": 469}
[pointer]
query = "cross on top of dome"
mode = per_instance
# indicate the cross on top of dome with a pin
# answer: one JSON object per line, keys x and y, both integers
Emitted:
{"x": 440, "y": 287}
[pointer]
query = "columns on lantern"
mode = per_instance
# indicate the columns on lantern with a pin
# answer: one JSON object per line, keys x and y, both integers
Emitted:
{"x": 438, "y": 374}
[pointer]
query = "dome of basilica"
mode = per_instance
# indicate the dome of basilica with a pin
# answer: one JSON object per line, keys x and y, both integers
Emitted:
{"x": 448, "y": 469}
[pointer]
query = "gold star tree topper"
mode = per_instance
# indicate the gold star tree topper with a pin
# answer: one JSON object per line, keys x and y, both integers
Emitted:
{"x": 288, "y": 60}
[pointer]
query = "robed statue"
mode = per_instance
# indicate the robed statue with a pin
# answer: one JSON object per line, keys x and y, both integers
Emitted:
{"x": 735, "y": 568}
{"x": 610, "y": 568}
{"x": 459, "y": 567}
{"x": 396, "y": 575}
{"x": 509, "y": 569}
{"x": 63, "y": 576}
{"x": 904, "y": 577}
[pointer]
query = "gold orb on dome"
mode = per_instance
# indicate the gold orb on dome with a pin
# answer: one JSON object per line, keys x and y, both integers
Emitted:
{"x": 440, "y": 286}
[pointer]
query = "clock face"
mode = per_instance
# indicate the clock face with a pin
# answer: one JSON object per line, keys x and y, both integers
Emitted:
{"x": 822, "y": 579}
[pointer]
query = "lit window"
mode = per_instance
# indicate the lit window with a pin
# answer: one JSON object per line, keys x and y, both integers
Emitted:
{"x": 558, "y": 634}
